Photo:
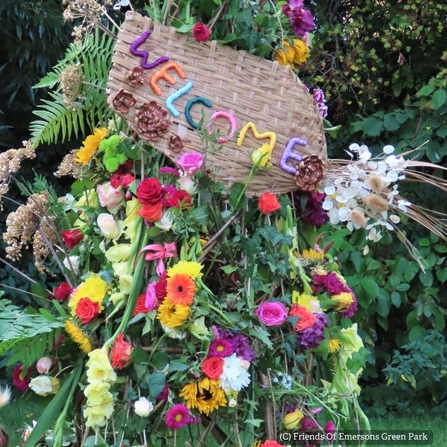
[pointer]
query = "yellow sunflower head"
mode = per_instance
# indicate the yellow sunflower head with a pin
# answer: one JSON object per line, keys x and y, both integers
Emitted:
{"x": 90, "y": 145}
{"x": 172, "y": 315}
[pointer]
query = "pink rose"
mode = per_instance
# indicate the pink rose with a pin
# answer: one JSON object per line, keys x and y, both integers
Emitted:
{"x": 44, "y": 365}
{"x": 110, "y": 197}
{"x": 190, "y": 163}
{"x": 272, "y": 313}
{"x": 109, "y": 228}
{"x": 201, "y": 32}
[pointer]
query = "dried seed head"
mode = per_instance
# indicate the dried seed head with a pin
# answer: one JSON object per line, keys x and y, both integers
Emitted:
{"x": 376, "y": 203}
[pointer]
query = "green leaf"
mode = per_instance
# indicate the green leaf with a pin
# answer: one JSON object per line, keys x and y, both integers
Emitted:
{"x": 370, "y": 288}
{"x": 262, "y": 335}
{"x": 396, "y": 299}
{"x": 139, "y": 355}
{"x": 384, "y": 303}
{"x": 390, "y": 122}
{"x": 177, "y": 366}
{"x": 372, "y": 127}
{"x": 228, "y": 269}
{"x": 255, "y": 422}
{"x": 438, "y": 99}
{"x": 416, "y": 332}
{"x": 424, "y": 242}
{"x": 403, "y": 287}
{"x": 411, "y": 270}
{"x": 426, "y": 278}
{"x": 425, "y": 91}
{"x": 156, "y": 383}
{"x": 442, "y": 131}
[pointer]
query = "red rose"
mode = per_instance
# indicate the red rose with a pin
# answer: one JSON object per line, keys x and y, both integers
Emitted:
{"x": 200, "y": 32}
{"x": 161, "y": 287}
{"x": 307, "y": 319}
{"x": 213, "y": 367}
{"x": 72, "y": 237}
{"x": 62, "y": 291}
{"x": 140, "y": 307}
{"x": 268, "y": 203}
{"x": 181, "y": 199}
{"x": 151, "y": 212}
{"x": 121, "y": 352}
{"x": 87, "y": 310}
{"x": 150, "y": 192}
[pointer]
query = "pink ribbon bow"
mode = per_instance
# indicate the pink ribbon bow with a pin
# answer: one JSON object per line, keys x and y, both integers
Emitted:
{"x": 160, "y": 252}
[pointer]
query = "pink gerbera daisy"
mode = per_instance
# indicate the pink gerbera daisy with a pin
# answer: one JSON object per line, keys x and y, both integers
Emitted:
{"x": 177, "y": 417}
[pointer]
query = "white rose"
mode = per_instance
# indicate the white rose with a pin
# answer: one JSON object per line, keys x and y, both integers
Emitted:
{"x": 188, "y": 184}
{"x": 44, "y": 365}
{"x": 143, "y": 407}
{"x": 232, "y": 403}
{"x": 109, "y": 228}
{"x": 72, "y": 263}
{"x": 165, "y": 222}
{"x": 41, "y": 385}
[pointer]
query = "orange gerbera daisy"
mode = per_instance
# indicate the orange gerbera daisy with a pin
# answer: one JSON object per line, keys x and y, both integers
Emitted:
{"x": 181, "y": 289}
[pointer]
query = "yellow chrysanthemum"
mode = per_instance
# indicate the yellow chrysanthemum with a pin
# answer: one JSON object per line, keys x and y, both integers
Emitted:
{"x": 78, "y": 336}
{"x": 193, "y": 269}
{"x": 310, "y": 302}
{"x": 94, "y": 288}
{"x": 312, "y": 255}
{"x": 334, "y": 345}
{"x": 288, "y": 55}
{"x": 90, "y": 145}
{"x": 343, "y": 299}
{"x": 172, "y": 315}
{"x": 206, "y": 395}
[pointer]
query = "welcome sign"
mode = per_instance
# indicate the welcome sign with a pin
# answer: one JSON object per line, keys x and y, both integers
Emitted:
{"x": 165, "y": 84}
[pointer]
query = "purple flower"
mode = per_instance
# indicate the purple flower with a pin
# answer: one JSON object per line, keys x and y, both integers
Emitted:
{"x": 164, "y": 393}
{"x": 318, "y": 95}
{"x": 313, "y": 213}
{"x": 300, "y": 19}
{"x": 221, "y": 347}
{"x": 177, "y": 417}
{"x": 311, "y": 337}
{"x": 308, "y": 424}
{"x": 168, "y": 193}
{"x": 241, "y": 345}
{"x": 169, "y": 170}
{"x": 330, "y": 282}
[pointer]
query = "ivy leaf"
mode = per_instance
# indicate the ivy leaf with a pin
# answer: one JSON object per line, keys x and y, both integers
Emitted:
{"x": 390, "y": 123}
{"x": 156, "y": 383}
{"x": 438, "y": 99}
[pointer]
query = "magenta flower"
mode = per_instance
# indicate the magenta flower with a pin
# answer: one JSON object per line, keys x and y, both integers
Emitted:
{"x": 330, "y": 282}
{"x": 177, "y": 417}
{"x": 168, "y": 194}
{"x": 300, "y": 19}
{"x": 151, "y": 302}
{"x": 313, "y": 212}
{"x": 169, "y": 170}
{"x": 318, "y": 95}
{"x": 164, "y": 393}
{"x": 220, "y": 348}
{"x": 190, "y": 163}
{"x": 330, "y": 427}
{"x": 272, "y": 313}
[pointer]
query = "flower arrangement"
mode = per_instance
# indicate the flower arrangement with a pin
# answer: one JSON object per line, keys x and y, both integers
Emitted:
{"x": 179, "y": 307}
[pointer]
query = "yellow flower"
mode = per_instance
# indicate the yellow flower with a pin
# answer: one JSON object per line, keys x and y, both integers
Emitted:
{"x": 55, "y": 385}
{"x": 193, "y": 269}
{"x": 78, "y": 336}
{"x": 334, "y": 345}
{"x": 99, "y": 368}
{"x": 301, "y": 51}
{"x": 288, "y": 55}
{"x": 291, "y": 420}
{"x": 206, "y": 395}
{"x": 131, "y": 222}
{"x": 285, "y": 54}
{"x": 96, "y": 391}
{"x": 97, "y": 415}
{"x": 172, "y": 315}
{"x": 94, "y": 288}
{"x": 118, "y": 253}
{"x": 310, "y": 302}
{"x": 261, "y": 156}
{"x": 90, "y": 145}
{"x": 312, "y": 255}
{"x": 344, "y": 300}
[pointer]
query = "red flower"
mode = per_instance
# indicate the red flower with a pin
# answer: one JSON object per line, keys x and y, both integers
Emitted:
{"x": 150, "y": 192}
{"x": 72, "y": 237}
{"x": 121, "y": 352}
{"x": 123, "y": 180}
{"x": 140, "y": 307}
{"x": 271, "y": 443}
{"x": 181, "y": 199}
{"x": 268, "y": 203}
{"x": 307, "y": 319}
{"x": 87, "y": 310}
{"x": 161, "y": 287}
{"x": 62, "y": 291}
{"x": 200, "y": 32}
{"x": 213, "y": 367}
{"x": 151, "y": 212}
{"x": 19, "y": 381}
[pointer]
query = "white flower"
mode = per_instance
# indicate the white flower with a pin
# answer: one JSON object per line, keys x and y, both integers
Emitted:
{"x": 44, "y": 365}
{"x": 5, "y": 396}
{"x": 188, "y": 184}
{"x": 143, "y": 407}
{"x": 328, "y": 203}
{"x": 403, "y": 204}
{"x": 232, "y": 403}
{"x": 41, "y": 385}
{"x": 329, "y": 190}
{"x": 234, "y": 375}
{"x": 72, "y": 263}
{"x": 109, "y": 228}
{"x": 388, "y": 149}
{"x": 165, "y": 222}
{"x": 394, "y": 218}
{"x": 374, "y": 235}
{"x": 173, "y": 333}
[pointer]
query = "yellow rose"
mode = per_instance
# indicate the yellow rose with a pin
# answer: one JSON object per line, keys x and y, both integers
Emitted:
{"x": 292, "y": 420}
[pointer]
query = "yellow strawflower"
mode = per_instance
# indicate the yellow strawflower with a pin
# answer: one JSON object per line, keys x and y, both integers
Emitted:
{"x": 90, "y": 145}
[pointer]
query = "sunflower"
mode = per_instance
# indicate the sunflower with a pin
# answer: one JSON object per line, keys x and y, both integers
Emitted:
{"x": 90, "y": 145}
{"x": 172, "y": 315}
{"x": 334, "y": 345}
{"x": 193, "y": 269}
{"x": 206, "y": 395}
{"x": 312, "y": 255}
{"x": 181, "y": 289}
{"x": 78, "y": 336}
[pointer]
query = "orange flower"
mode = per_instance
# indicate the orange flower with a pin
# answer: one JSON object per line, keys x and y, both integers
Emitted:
{"x": 151, "y": 212}
{"x": 307, "y": 319}
{"x": 181, "y": 289}
{"x": 121, "y": 352}
{"x": 268, "y": 203}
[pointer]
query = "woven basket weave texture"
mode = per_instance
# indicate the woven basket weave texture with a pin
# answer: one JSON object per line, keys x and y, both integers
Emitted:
{"x": 250, "y": 88}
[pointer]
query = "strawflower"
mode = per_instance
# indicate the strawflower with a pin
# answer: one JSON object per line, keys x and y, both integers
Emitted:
{"x": 90, "y": 145}
{"x": 177, "y": 417}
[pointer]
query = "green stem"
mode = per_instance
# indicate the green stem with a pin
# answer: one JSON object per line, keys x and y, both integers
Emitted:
{"x": 156, "y": 346}
{"x": 250, "y": 176}
{"x": 220, "y": 313}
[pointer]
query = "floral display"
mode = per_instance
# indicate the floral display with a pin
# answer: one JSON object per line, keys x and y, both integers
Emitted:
{"x": 170, "y": 306}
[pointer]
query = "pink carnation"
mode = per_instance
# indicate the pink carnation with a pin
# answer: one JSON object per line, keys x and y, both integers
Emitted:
{"x": 272, "y": 313}
{"x": 190, "y": 163}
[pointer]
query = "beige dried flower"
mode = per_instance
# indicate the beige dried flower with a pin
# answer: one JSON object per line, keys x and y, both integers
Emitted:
{"x": 71, "y": 82}
{"x": 69, "y": 166}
